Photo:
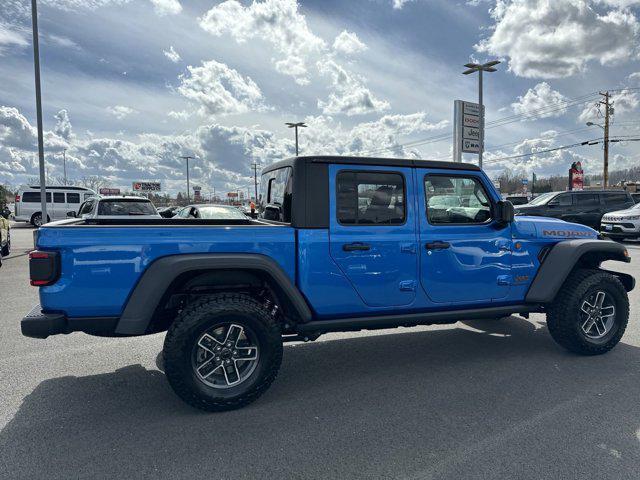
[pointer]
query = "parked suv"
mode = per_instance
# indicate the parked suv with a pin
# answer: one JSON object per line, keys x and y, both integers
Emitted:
{"x": 60, "y": 201}
{"x": 351, "y": 244}
{"x": 117, "y": 207}
{"x": 586, "y": 206}
{"x": 622, "y": 224}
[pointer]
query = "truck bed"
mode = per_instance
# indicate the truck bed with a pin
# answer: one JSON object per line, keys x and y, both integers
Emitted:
{"x": 101, "y": 261}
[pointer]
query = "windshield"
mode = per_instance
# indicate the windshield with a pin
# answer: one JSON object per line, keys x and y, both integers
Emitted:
{"x": 125, "y": 207}
{"x": 221, "y": 213}
{"x": 542, "y": 199}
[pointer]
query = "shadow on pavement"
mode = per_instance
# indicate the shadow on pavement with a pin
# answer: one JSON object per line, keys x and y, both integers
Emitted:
{"x": 499, "y": 400}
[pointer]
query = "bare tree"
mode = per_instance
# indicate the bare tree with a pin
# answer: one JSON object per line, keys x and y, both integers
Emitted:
{"x": 94, "y": 182}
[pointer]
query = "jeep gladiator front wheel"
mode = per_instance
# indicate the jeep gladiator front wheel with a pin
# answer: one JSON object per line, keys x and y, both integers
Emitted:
{"x": 222, "y": 352}
{"x": 590, "y": 313}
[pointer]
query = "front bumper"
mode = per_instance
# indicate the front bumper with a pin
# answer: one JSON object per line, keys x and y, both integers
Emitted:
{"x": 37, "y": 324}
{"x": 620, "y": 229}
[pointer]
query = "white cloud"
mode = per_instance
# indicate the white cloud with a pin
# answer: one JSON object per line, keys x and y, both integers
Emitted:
{"x": 167, "y": 7}
{"x": 552, "y": 39}
{"x": 224, "y": 153}
{"x": 634, "y": 78}
{"x": 541, "y": 101}
{"x": 398, "y": 4}
{"x": 181, "y": 115}
{"x": 11, "y": 38}
{"x": 171, "y": 54}
{"x": 623, "y": 101}
{"x": 121, "y": 111}
{"x": 348, "y": 43}
{"x": 219, "y": 90}
{"x": 349, "y": 95}
{"x": 15, "y": 129}
{"x": 63, "y": 125}
{"x": 276, "y": 22}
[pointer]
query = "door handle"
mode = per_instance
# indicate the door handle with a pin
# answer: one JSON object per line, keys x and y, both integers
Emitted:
{"x": 352, "y": 247}
{"x": 437, "y": 245}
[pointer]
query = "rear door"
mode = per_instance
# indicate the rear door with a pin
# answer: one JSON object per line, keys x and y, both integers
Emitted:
{"x": 372, "y": 232}
{"x": 587, "y": 209}
{"x": 465, "y": 255}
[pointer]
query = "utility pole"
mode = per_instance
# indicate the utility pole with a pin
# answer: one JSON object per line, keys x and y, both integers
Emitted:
{"x": 255, "y": 180}
{"x": 187, "y": 158}
{"x": 295, "y": 126}
{"x": 36, "y": 67}
{"x": 64, "y": 164}
{"x": 608, "y": 110}
{"x": 485, "y": 67}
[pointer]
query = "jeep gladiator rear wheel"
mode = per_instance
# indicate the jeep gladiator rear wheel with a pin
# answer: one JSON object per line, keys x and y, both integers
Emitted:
{"x": 590, "y": 313}
{"x": 222, "y": 352}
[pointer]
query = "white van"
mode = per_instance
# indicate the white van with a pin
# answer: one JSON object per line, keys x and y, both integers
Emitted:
{"x": 60, "y": 200}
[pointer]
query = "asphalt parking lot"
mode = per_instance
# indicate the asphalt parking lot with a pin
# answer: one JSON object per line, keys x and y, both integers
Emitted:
{"x": 472, "y": 400}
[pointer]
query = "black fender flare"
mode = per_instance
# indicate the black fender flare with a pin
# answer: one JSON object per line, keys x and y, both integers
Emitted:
{"x": 564, "y": 256}
{"x": 155, "y": 280}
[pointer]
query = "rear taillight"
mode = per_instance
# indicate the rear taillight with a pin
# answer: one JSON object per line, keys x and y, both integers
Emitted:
{"x": 17, "y": 198}
{"x": 44, "y": 268}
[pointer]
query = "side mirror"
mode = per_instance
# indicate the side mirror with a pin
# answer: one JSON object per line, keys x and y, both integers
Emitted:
{"x": 71, "y": 214}
{"x": 6, "y": 213}
{"x": 504, "y": 212}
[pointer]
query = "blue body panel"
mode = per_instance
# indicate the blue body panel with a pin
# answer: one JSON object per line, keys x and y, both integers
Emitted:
{"x": 101, "y": 265}
{"x": 486, "y": 264}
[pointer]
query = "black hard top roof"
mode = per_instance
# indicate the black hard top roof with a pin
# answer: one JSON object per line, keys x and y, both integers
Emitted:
{"x": 391, "y": 162}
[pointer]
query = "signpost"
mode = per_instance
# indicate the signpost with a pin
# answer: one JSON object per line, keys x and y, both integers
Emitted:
{"x": 467, "y": 132}
{"x": 146, "y": 186}
{"x": 197, "y": 193}
{"x": 576, "y": 176}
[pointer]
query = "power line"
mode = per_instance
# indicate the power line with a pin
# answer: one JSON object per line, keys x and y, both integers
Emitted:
{"x": 564, "y": 147}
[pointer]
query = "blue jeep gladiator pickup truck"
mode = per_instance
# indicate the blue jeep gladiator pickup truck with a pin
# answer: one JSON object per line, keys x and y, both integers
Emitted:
{"x": 340, "y": 244}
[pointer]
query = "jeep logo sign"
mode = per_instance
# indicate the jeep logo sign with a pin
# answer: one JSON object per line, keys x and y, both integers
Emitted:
{"x": 565, "y": 233}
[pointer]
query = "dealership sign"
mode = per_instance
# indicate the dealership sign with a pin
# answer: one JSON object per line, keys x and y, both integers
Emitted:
{"x": 467, "y": 131}
{"x": 109, "y": 191}
{"x": 146, "y": 186}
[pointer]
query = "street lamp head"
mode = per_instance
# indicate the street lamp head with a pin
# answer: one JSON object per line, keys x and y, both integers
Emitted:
{"x": 485, "y": 67}
{"x": 590, "y": 124}
{"x": 293, "y": 125}
{"x": 490, "y": 64}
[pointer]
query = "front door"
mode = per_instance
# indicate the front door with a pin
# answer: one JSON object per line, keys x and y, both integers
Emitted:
{"x": 465, "y": 255}
{"x": 372, "y": 232}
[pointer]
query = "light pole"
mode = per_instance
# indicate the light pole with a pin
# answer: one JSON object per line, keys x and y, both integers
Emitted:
{"x": 36, "y": 67}
{"x": 605, "y": 171}
{"x": 255, "y": 179}
{"x": 187, "y": 158}
{"x": 296, "y": 125}
{"x": 485, "y": 67}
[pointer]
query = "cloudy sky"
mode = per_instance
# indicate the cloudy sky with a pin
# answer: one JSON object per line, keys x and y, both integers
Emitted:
{"x": 131, "y": 85}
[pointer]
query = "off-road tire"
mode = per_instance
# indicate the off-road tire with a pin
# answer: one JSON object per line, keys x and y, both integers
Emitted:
{"x": 197, "y": 318}
{"x": 564, "y": 318}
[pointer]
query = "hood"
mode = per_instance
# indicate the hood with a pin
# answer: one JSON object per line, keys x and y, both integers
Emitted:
{"x": 550, "y": 228}
{"x": 618, "y": 215}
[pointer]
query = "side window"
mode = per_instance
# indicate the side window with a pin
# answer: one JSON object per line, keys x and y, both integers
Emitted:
{"x": 58, "y": 197}
{"x": 31, "y": 197}
{"x": 370, "y": 198}
{"x": 34, "y": 197}
{"x": 587, "y": 200}
{"x": 456, "y": 200}
{"x": 563, "y": 200}
{"x": 275, "y": 195}
{"x": 86, "y": 208}
{"x": 73, "y": 198}
{"x": 88, "y": 195}
{"x": 615, "y": 198}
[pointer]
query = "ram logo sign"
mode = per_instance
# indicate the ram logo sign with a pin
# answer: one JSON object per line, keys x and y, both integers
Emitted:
{"x": 565, "y": 233}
